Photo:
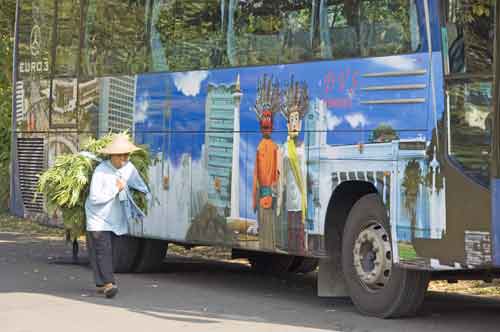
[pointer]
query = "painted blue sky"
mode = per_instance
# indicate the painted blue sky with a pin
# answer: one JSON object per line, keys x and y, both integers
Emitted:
{"x": 339, "y": 84}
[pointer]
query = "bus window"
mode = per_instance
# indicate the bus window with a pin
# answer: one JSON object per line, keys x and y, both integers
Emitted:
{"x": 470, "y": 127}
{"x": 269, "y": 32}
{"x": 67, "y": 37}
{"x": 187, "y": 35}
{"x": 368, "y": 28}
{"x": 35, "y": 39}
{"x": 114, "y": 37}
{"x": 469, "y": 27}
{"x": 469, "y": 34}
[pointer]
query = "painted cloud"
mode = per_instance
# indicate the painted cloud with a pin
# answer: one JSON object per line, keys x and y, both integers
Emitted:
{"x": 190, "y": 83}
{"x": 332, "y": 121}
{"x": 142, "y": 108}
{"x": 356, "y": 120}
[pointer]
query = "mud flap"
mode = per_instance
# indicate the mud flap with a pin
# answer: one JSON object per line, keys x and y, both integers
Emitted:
{"x": 495, "y": 221}
{"x": 331, "y": 281}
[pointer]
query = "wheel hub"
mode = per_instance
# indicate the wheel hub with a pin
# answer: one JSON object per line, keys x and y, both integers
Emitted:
{"x": 373, "y": 256}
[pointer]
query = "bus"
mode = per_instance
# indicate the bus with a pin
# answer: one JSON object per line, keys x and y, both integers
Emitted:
{"x": 356, "y": 137}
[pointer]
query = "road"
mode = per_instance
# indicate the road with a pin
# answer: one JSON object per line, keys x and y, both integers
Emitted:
{"x": 39, "y": 293}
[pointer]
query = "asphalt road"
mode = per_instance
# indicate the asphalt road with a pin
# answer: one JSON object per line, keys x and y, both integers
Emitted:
{"x": 38, "y": 293}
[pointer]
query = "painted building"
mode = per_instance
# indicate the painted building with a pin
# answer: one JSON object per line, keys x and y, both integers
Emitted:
{"x": 20, "y": 111}
{"x": 116, "y": 109}
{"x": 315, "y": 131}
{"x": 222, "y": 140}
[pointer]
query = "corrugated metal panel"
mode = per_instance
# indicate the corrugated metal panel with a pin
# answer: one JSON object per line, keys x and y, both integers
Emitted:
{"x": 31, "y": 160}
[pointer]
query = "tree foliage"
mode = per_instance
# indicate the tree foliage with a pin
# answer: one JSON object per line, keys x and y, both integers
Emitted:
{"x": 7, "y": 15}
{"x": 114, "y": 40}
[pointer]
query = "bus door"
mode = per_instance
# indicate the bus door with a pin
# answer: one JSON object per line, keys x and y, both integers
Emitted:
{"x": 464, "y": 133}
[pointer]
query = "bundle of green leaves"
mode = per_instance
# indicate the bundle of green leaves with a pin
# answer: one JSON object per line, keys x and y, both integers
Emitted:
{"x": 66, "y": 184}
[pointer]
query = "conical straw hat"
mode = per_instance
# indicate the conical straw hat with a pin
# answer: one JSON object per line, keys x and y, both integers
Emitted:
{"x": 120, "y": 145}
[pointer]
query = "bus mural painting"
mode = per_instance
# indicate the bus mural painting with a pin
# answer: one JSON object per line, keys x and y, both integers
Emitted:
{"x": 265, "y": 175}
{"x": 343, "y": 84}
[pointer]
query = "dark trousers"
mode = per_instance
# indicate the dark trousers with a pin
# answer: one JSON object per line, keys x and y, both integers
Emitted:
{"x": 100, "y": 248}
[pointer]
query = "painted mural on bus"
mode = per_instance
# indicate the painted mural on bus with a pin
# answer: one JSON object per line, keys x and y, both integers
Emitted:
{"x": 250, "y": 157}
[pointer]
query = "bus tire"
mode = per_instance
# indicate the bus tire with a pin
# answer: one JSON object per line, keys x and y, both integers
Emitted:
{"x": 151, "y": 255}
{"x": 376, "y": 286}
{"x": 125, "y": 250}
{"x": 303, "y": 264}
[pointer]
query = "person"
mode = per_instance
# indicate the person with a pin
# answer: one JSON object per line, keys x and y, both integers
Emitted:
{"x": 109, "y": 207}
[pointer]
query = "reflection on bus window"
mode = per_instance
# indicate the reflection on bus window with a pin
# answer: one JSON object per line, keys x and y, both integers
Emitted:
{"x": 470, "y": 127}
{"x": 190, "y": 34}
{"x": 67, "y": 37}
{"x": 268, "y": 32}
{"x": 114, "y": 37}
{"x": 369, "y": 28}
{"x": 129, "y": 37}
{"x": 470, "y": 30}
{"x": 35, "y": 37}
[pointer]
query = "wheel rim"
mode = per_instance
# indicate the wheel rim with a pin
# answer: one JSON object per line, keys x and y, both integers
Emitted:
{"x": 373, "y": 257}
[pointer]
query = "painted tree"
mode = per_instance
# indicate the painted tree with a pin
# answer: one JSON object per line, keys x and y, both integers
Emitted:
{"x": 411, "y": 187}
{"x": 384, "y": 133}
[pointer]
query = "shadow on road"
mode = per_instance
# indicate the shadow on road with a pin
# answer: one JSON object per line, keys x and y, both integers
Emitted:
{"x": 208, "y": 292}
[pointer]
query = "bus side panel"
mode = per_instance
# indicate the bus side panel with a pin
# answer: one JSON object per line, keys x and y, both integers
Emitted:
{"x": 364, "y": 120}
{"x": 45, "y": 129}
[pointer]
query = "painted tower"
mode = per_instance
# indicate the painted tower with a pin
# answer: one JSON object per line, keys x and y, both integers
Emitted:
{"x": 235, "y": 175}
{"x": 315, "y": 124}
{"x": 222, "y": 137}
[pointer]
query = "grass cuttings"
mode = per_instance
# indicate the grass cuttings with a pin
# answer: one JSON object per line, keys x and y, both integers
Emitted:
{"x": 66, "y": 184}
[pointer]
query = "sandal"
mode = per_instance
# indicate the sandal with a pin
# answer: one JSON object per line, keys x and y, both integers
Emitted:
{"x": 110, "y": 291}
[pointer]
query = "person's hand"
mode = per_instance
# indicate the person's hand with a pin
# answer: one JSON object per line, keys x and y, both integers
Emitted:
{"x": 120, "y": 184}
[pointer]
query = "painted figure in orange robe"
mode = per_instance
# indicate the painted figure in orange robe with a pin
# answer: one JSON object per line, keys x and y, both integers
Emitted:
{"x": 265, "y": 176}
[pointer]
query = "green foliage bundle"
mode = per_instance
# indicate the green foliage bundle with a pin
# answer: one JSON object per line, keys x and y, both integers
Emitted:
{"x": 66, "y": 184}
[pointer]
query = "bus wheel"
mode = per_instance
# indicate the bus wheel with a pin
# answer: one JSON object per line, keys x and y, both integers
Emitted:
{"x": 151, "y": 255}
{"x": 376, "y": 286}
{"x": 125, "y": 250}
{"x": 271, "y": 263}
{"x": 303, "y": 264}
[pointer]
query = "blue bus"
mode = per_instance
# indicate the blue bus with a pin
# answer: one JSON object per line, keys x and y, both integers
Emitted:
{"x": 356, "y": 137}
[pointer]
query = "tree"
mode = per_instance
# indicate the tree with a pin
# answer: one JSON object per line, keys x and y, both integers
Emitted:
{"x": 473, "y": 20}
{"x": 384, "y": 133}
{"x": 7, "y": 17}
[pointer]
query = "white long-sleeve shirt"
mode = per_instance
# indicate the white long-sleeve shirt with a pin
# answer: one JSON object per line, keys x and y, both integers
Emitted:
{"x": 103, "y": 209}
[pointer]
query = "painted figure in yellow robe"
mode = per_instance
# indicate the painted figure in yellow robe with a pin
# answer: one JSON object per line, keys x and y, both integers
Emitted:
{"x": 293, "y": 182}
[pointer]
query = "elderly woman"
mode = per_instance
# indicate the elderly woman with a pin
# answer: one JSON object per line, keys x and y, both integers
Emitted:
{"x": 108, "y": 209}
